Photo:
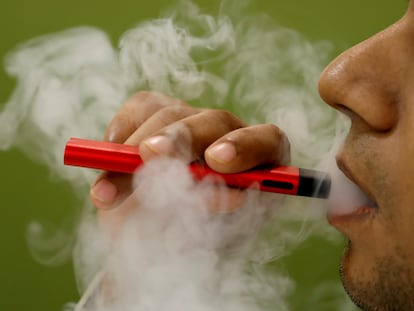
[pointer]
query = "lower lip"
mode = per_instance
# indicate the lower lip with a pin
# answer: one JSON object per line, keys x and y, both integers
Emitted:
{"x": 361, "y": 213}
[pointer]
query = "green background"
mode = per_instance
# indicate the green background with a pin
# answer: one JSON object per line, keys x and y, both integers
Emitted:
{"x": 27, "y": 191}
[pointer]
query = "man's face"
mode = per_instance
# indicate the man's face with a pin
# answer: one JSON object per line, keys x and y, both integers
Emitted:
{"x": 373, "y": 83}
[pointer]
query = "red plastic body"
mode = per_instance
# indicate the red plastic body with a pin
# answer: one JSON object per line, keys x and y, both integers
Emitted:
{"x": 126, "y": 159}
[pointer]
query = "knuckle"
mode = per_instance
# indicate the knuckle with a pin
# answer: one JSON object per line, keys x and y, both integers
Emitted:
{"x": 120, "y": 120}
{"x": 140, "y": 96}
{"x": 273, "y": 131}
{"x": 281, "y": 140}
{"x": 144, "y": 99}
{"x": 173, "y": 113}
{"x": 223, "y": 117}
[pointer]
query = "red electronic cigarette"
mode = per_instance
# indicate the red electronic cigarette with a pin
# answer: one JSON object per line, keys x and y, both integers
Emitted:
{"x": 126, "y": 159}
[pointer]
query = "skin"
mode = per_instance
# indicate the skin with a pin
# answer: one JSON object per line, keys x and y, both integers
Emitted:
{"x": 372, "y": 83}
{"x": 163, "y": 126}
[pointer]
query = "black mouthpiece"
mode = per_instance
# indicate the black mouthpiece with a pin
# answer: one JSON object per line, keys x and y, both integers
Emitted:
{"x": 314, "y": 184}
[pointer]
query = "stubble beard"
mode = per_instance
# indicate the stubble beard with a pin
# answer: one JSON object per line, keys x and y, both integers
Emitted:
{"x": 391, "y": 287}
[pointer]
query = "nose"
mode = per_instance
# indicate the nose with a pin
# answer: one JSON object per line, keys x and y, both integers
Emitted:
{"x": 366, "y": 81}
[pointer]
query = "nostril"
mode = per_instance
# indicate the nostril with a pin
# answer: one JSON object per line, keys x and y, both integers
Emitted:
{"x": 346, "y": 111}
{"x": 360, "y": 93}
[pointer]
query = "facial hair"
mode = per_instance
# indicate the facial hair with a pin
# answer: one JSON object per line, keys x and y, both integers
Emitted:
{"x": 390, "y": 289}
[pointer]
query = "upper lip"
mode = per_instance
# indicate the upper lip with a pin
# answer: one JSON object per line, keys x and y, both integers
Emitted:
{"x": 343, "y": 166}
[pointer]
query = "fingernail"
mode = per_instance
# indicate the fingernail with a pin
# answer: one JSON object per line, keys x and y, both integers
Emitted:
{"x": 222, "y": 153}
{"x": 160, "y": 145}
{"x": 112, "y": 136}
{"x": 104, "y": 191}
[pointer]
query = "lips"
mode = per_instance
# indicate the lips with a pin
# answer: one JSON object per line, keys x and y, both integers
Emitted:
{"x": 349, "y": 201}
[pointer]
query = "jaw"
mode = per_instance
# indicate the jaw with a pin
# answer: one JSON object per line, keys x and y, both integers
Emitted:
{"x": 379, "y": 281}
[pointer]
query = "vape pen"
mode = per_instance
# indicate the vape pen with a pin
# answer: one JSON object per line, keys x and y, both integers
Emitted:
{"x": 126, "y": 159}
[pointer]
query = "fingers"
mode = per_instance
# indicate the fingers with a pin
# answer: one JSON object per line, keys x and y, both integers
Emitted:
{"x": 135, "y": 112}
{"x": 177, "y": 131}
{"x": 189, "y": 137}
{"x": 110, "y": 188}
{"x": 160, "y": 125}
{"x": 164, "y": 118}
{"x": 248, "y": 147}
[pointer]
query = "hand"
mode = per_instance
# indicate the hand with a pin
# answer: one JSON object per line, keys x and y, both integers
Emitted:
{"x": 160, "y": 125}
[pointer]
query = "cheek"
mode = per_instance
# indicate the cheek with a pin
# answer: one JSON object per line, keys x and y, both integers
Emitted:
{"x": 402, "y": 161}
{"x": 397, "y": 195}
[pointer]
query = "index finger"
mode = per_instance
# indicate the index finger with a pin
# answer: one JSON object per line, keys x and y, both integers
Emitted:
{"x": 135, "y": 112}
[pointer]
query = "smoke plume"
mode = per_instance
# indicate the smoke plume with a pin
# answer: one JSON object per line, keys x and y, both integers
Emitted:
{"x": 172, "y": 253}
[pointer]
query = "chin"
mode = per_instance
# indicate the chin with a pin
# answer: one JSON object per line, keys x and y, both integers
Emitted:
{"x": 349, "y": 282}
{"x": 377, "y": 284}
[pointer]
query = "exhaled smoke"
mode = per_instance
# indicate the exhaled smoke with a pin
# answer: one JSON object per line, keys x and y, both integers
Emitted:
{"x": 172, "y": 253}
{"x": 68, "y": 84}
